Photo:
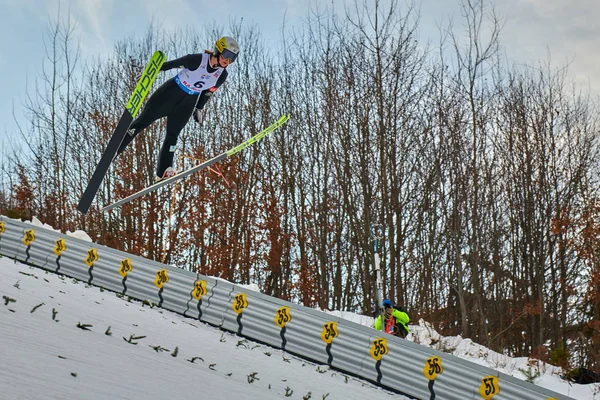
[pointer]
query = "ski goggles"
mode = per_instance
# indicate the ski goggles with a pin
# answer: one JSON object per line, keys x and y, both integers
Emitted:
{"x": 229, "y": 55}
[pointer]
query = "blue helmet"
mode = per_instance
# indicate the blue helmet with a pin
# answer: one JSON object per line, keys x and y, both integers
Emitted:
{"x": 387, "y": 303}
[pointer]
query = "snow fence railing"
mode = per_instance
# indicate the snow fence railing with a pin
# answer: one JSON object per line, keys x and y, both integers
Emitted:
{"x": 385, "y": 360}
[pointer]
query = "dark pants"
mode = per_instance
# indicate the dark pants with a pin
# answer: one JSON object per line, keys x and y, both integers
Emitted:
{"x": 171, "y": 102}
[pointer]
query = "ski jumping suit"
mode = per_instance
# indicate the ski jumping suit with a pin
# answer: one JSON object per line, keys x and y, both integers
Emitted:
{"x": 177, "y": 99}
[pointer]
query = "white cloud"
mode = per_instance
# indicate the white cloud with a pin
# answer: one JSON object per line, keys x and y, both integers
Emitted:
{"x": 567, "y": 30}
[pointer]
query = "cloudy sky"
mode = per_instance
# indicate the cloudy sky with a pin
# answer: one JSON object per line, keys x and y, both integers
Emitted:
{"x": 534, "y": 30}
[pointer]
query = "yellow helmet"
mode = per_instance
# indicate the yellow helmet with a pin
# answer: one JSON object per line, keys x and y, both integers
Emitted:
{"x": 227, "y": 47}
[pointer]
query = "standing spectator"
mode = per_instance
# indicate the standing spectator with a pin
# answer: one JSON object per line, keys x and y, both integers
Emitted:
{"x": 395, "y": 318}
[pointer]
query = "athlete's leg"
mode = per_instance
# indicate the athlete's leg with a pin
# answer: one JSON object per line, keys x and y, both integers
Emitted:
{"x": 176, "y": 120}
{"x": 159, "y": 105}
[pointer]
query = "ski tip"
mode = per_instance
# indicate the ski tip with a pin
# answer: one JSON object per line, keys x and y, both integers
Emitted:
{"x": 82, "y": 208}
{"x": 282, "y": 120}
{"x": 159, "y": 56}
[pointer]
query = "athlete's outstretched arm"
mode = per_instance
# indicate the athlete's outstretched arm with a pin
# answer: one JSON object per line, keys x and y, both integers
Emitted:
{"x": 191, "y": 62}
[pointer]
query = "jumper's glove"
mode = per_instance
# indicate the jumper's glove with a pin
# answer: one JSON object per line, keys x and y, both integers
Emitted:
{"x": 197, "y": 113}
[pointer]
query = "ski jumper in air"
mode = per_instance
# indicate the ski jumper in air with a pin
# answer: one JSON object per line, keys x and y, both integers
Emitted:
{"x": 182, "y": 96}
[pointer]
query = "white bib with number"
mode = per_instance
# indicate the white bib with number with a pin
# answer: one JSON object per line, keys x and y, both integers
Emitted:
{"x": 194, "y": 82}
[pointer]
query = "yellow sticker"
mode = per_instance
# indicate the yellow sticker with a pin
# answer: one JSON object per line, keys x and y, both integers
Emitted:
{"x": 283, "y": 316}
{"x": 28, "y": 237}
{"x": 61, "y": 245}
{"x": 379, "y": 348}
{"x": 489, "y": 387}
{"x": 433, "y": 367}
{"x": 92, "y": 256}
{"x": 221, "y": 43}
{"x": 1, "y": 226}
{"x": 162, "y": 277}
{"x": 329, "y": 332}
{"x": 199, "y": 289}
{"x": 239, "y": 303}
{"x": 125, "y": 267}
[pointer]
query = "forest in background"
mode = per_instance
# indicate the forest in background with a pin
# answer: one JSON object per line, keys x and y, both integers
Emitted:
{"x": 483, "y": 174}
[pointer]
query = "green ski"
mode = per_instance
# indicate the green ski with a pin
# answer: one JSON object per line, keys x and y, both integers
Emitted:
{"x": 281, "y": 121}
{"x": 131, "y": 110}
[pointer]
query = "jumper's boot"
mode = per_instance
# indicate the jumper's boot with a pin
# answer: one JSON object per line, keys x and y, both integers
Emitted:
{"x": 169, "y": 172}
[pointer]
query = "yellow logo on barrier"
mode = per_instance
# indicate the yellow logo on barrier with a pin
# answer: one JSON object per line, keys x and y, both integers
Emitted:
{"x": 199, "y": 289}
{"x": 329, "y": 332}
{"x": 92, "y": 256}
{"x": 239, "y": 303}
{"x": 1, "y": 227}
{"x": 283, "y": 316}
{"x": 28, "y": 237}
{"x": 433, "y": 367}
{"x": 489, "y": 387}
{"x": 125, "y": 267}
{"x": 379, "y": 348}
{"x": 162, "y": 277}
{"x": 61, "y": 245}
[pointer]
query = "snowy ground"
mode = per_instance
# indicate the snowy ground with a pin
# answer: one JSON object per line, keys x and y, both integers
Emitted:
{"x": 63, "y": 339}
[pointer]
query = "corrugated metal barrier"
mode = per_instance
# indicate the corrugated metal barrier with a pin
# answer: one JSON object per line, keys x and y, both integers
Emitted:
{"x": 388, "y": 361}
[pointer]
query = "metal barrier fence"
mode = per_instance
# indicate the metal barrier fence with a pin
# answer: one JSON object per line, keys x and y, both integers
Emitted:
{"x": 386, "y": 360}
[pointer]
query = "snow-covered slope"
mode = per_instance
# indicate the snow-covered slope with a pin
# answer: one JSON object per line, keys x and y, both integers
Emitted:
{"x": 62, "y": 339}
{"x": 50, "y": 356}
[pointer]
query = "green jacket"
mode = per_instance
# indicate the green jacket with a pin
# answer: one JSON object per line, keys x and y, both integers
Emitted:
{"x": 402, "y": 319}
